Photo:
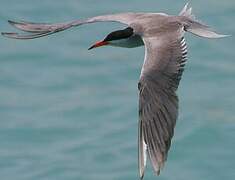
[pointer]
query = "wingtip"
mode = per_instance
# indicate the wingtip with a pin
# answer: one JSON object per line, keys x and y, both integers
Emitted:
{"x": 8, "y": 35}
{"x": 158, "y": 172}
{"x": 142, "y": 176}
{"x": 11, "y": 22}
{"x": 13, "y": 35}
{"x": 14, "y": 23}
{"x": 3, "y": 33}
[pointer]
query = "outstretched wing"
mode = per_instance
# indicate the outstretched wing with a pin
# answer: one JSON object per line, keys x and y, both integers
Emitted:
{"x": 36, "y": 30}
{"x": 165, "y": 57}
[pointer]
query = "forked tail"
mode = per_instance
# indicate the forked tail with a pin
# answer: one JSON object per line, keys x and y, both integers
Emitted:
{"x": 192, "y": 25}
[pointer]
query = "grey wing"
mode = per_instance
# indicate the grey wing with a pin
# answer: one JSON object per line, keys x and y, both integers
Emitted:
{"x": 36, "y": 30}
{"x": 165, "y": 58}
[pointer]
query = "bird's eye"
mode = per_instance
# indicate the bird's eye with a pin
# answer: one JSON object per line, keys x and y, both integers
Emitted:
{"x": 120, "y": 34}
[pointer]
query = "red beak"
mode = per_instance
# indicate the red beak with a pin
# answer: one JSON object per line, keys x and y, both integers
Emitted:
{"x": 98, "y": 44}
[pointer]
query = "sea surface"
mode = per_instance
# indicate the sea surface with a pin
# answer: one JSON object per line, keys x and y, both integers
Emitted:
{"x": 67, "y": 113}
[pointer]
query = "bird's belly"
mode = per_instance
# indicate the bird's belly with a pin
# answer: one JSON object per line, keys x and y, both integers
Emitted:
{"x": 132, "y": 42}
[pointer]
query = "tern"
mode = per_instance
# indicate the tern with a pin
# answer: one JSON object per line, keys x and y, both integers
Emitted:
{"x": 165, "y": 58}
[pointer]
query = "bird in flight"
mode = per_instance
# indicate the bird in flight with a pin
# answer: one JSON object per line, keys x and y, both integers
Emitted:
{"x": 165, "y": 58}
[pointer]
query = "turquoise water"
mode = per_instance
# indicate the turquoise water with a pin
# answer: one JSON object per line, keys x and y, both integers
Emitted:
{"x": 67, "y": 113}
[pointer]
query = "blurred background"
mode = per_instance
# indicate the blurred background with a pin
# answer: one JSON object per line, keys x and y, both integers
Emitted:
{"x": 68, "y": 113}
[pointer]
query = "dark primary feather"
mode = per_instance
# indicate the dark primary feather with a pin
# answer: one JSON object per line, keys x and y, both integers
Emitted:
{"x": 25, "y": 36}
{"x": 30, "y": 26}
{"x": 37, "y": 30}
{"x": 158, "y": 102}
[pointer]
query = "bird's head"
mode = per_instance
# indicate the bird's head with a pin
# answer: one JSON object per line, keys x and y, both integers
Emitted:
{"x": 115, "y": 38}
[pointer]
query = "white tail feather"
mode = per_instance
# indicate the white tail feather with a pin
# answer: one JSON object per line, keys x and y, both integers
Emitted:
{"x": 187, "y": 12}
